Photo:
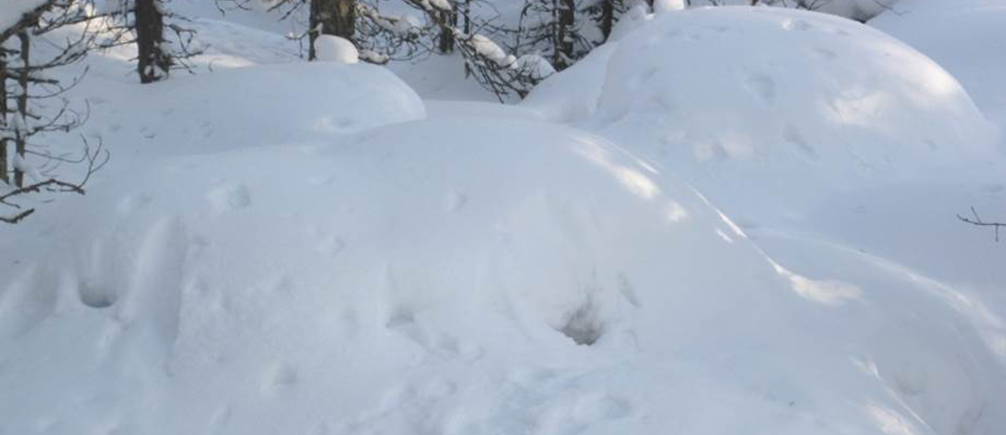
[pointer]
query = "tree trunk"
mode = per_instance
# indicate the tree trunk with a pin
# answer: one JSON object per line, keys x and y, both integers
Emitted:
{"x": 331, "y": 17}
{"x": 3, "y": 117}
{"x": 446, "y": 39}
{"x": 20, "y": 136}
{"x": 468, "y": 31}
{"x": 607, "y": 18}
{"x": 153, "y": 63}
{"x": 564, "y": 16}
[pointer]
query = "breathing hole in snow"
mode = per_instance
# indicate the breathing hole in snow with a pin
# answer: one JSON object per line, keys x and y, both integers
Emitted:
{"x": 583, "y": 325}
{"x": 96, "y": 296}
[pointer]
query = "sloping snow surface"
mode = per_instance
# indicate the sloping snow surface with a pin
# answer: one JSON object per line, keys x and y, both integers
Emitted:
{"x": 728, "y": 221}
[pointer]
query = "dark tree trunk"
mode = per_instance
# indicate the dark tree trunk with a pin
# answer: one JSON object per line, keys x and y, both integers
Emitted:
{"x": 446, "y": 39}
{"x": 565, "y": 17}
{"x": 153, "y": 63}
{"x": 331, "y": 17}
{"x": 3, "y": 116}
{"x": 468, "y": 30}
{"x": 607, "y": 21}
{"x": 20, "y": 137}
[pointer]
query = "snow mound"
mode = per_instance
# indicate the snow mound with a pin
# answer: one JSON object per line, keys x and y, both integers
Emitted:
{"x": 859, "y": 10}
{"x": 460, "y": 276}
{"x": 789, "y": 103}
{"x": 959, "y": 35}
{"x": 335, "y": 49}
{"x": 212, "y": 111}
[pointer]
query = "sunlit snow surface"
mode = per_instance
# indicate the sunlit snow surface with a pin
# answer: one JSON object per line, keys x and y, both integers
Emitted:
{"x": 728, "y": 221}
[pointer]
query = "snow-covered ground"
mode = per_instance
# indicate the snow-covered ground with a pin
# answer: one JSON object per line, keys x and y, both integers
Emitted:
{"x": 727, "y": 220}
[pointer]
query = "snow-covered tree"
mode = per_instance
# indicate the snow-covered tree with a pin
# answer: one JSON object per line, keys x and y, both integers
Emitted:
{"x": 32, "y": 105}
{"x": 554, "y": 28}
{"x": 498, "y": 70}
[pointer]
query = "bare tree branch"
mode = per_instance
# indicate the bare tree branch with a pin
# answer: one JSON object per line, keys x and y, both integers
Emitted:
{"x": 977, "y": 221}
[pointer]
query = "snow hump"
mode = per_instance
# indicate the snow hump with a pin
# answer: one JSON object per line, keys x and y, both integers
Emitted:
{"x": 329, "y": 99}
{"x": 465, "y": 275}
{"x": 725, "y": 95}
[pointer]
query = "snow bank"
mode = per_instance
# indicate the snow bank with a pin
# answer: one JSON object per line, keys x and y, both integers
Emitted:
{"x": 572, "y": 96}
{"x": 279, "y": 259}
{"x": 859, "y": 10}
{"x": 960, "y": 36}
{"x": 286, "y": 104}
{"x": 457, "y": 276}
{"x": 787, "y": 104}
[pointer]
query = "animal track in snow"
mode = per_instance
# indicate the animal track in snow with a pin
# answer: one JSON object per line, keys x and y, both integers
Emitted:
{"x": 792, "y": 135}
{"x": 626, "y": 289}
{"x": 331, "y": 246}
{"x": 455, "y": 201}
{"x": 762, "y": 86}
{"x": 280, "y": 377}
{"x": 96, "y": 295}
{"x": 404, "y": 323}
{"x": 824, "y": 53}
{"x": 583, "y": 325}
{"x": 229, "y": 197}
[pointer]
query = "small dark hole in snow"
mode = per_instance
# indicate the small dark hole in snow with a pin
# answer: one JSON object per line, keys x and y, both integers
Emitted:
{"x": 400, "y": 319}
{"x": 583, "y": 325}
{"x": 96, "y": 297}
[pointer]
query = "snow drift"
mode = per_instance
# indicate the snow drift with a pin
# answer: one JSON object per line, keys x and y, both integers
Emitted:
{"x": 959, "y": 35}
{"x": 724, "y": 96}
{"x": 291, "y": 249}
{"x": 286, "y": 104}
{"x": 859, "y": 10}
{"x": 509, "y": 277}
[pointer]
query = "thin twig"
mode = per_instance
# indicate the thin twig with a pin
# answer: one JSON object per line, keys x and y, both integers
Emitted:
{"x": 977, "y": 221}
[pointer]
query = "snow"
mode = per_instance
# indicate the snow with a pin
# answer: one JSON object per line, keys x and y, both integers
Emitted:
{"x": 189, "y": 114}
{"x": 489, "y": 49}
{"x": 11, "y": 11}
{"x": 660, "y": 6}
{"x": 960, "y": 36}
{"x": 444, "y": 5}
{"x": 339, "y": 314}
{"x": 859, "y": 10}
{"x": 728, "y": 220}
{"x": 335, "y": 49}
{"x": 535, "y": 66}
{"x": 833, "y": 105}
